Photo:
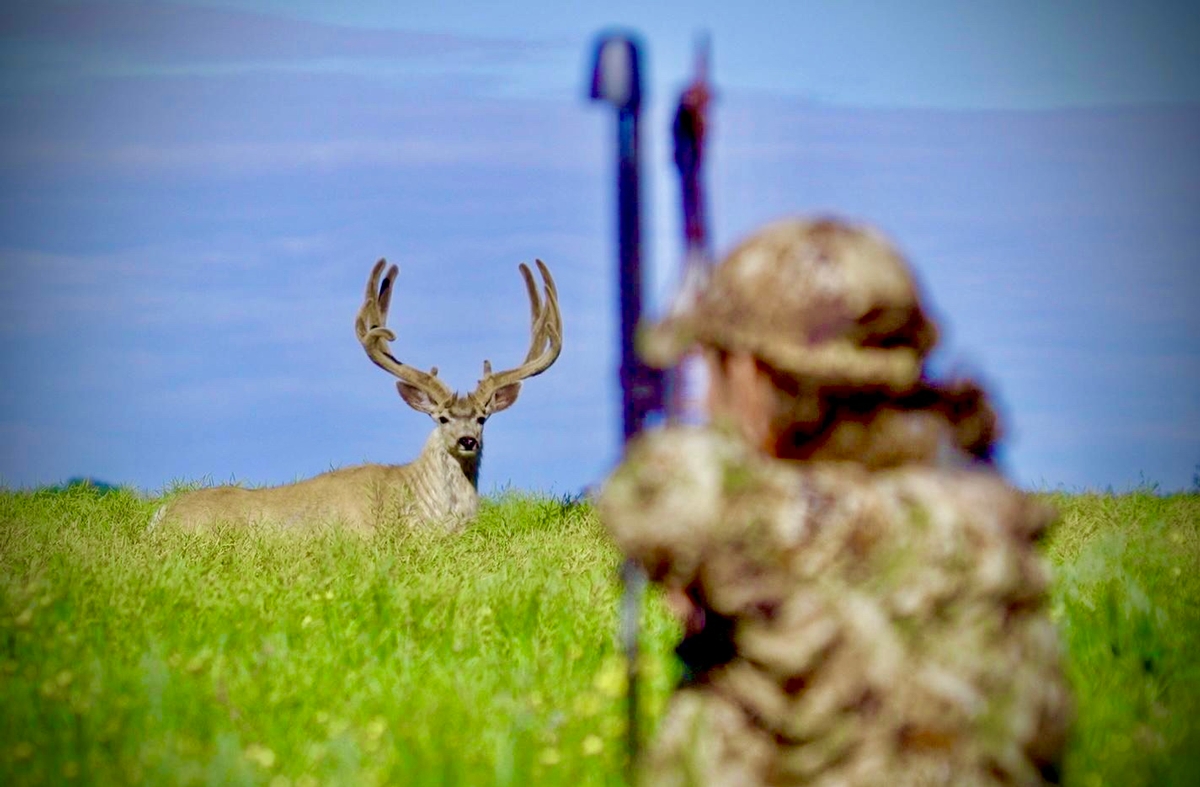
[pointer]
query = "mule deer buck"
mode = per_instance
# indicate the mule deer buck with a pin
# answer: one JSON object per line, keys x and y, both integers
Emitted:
{"x": 440, "y": 487}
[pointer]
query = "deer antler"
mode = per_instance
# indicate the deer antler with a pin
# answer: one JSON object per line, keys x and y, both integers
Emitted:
{"x": 371, "y": 328}
{"x": 545, "y": 342}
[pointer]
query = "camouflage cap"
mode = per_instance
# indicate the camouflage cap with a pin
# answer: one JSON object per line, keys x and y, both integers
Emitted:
{"x": 817, "y": 298}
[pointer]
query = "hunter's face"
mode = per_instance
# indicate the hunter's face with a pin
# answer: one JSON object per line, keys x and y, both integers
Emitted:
{"x": 739, "y": 393}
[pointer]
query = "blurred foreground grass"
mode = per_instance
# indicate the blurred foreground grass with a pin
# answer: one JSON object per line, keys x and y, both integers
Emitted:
{"x": 486, "y": 658}
{"x": 1127, "y": 598}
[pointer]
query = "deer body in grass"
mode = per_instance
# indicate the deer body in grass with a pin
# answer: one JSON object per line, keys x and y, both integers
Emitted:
{"x": 439, "y": 487}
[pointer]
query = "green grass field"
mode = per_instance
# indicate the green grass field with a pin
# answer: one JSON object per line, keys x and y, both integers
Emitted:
{"x": 486, "y": 658}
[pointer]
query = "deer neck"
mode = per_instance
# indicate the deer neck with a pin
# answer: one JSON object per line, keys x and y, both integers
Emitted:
{"x": 446, "y": 486}
{"x": 469, "y": 467}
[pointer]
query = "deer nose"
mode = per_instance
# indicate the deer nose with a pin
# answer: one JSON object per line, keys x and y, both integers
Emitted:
{"x": 468, "y": 443}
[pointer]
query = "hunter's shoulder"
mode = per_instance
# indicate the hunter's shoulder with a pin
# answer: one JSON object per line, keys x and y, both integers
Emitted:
{"x": 840, "y": 519}
{"x": 670, "y": 493}
{"x": 979, "y": 498}
{"x": 685, "y": 443}
{"x": 922, "y": 536}
{"x": 659, "y": 460}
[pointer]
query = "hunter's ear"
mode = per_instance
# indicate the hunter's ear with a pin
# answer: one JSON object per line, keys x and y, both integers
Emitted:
{"x": 504, "y": 397}
{"x": 416, "y": 398}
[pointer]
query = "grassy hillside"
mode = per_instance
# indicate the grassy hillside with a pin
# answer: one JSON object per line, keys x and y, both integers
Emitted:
{"x": 487, "y": 658}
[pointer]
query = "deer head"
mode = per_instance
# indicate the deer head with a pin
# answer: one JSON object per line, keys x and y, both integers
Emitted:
{"x": 458, "y": 418}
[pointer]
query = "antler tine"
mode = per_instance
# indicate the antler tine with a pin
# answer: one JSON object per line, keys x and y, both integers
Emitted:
{"x": 548, "y": 329}
{"x": 369, "y": 317}
{"x": 537, "y": 316}
{"x": 371, "y": 328}
{"x": 545, "y": 341}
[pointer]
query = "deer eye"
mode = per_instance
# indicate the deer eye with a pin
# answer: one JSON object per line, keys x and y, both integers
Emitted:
{"x": 480, "y": 420}
{"x": 444, "y": 419}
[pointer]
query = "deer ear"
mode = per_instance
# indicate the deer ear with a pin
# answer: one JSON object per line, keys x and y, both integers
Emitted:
{"x": 504, "y": 397}
{"x": 416, "y": 398}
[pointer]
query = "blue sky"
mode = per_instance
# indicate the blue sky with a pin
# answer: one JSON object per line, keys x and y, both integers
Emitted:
{"x": 192, "y": 194}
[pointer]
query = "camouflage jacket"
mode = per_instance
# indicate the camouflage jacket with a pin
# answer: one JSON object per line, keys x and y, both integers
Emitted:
{"x": 879, "y": 626}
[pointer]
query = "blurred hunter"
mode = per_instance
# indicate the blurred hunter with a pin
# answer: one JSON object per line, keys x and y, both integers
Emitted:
{"x": 860, "y": 590}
